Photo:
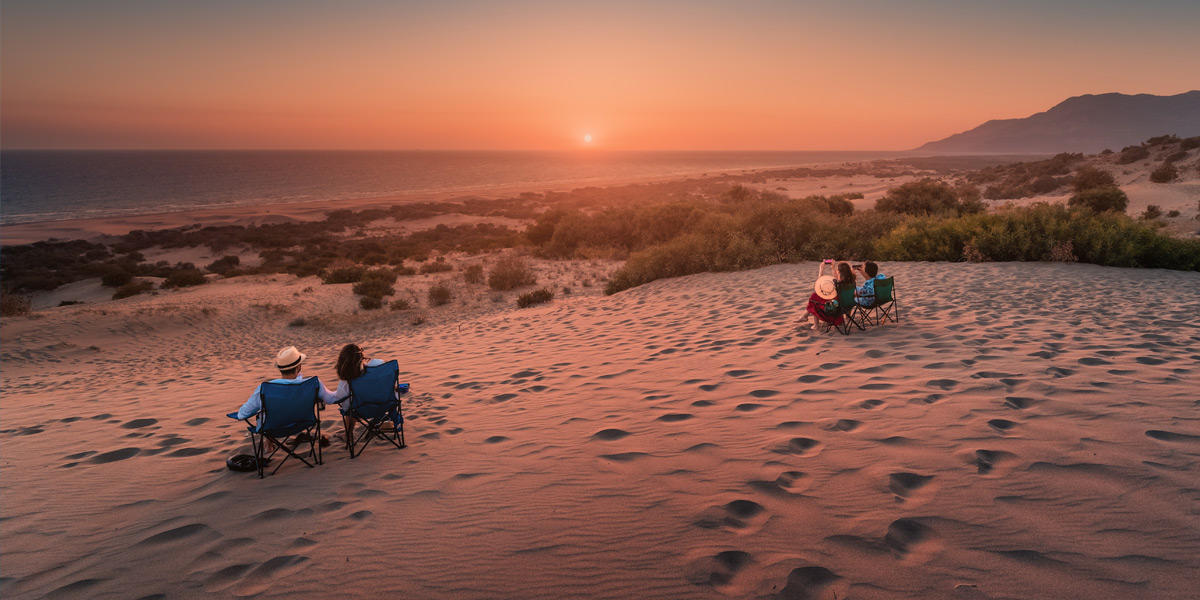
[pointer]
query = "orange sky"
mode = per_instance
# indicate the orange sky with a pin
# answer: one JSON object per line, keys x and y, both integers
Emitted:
{"x": 756, "y": 75}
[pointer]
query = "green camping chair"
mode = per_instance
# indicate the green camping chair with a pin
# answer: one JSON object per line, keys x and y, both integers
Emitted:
{"x": 885, "y": 306}
{"x": 850, "y": 311}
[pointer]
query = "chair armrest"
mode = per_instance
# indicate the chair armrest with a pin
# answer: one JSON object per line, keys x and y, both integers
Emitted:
{"x": 402, "y": 388}
{"x": 234, "y": 415}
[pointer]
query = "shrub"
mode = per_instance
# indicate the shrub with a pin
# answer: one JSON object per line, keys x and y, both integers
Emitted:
{"x": 925, "y": 197}
{"x": 1172, "y": 214}
{"x": 400, "y": 304}
{"x": 226, "y": 266}
{"x": 1165, "y": 174}
{"x": 1159, "y": 140}
{"x": 404, "y": 271}
{"x": 1132, "y": 154}
{"x": 437, "y": 266}
{"x": 352, "y": 274}
{"x": 510, "y": 272}
{"x": 184, "y": 278}
{"x": 116, "y": 277}
{"x": 1152, "y": 212}
{"x": 1175, "y": 156}
{"x": 374, "y": 288}
{"x": 1087, "y": 178}
{"x": 439, "y": 294}
{"x": 370, "y": 302}
{"x": 1100, "y": 199}
{"x": 473, "y": 274}
{"x": 132, "y": 288}
{"x": 535, "y": 297}
{"x": 13, "y": 304}
{"x": 1106, "y": 152}
{"x": 297, "y": 322}
{"x": 1190, "y": 143}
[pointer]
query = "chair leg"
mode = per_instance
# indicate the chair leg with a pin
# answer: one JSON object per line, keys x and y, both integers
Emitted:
{"x": 257, "y": 442}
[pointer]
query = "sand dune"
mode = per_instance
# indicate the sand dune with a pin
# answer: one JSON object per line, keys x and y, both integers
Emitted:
{"x": 1025, "y": 431}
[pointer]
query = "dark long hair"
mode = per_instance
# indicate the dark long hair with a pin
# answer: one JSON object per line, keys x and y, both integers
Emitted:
{"x": 845, "y": 275}
{"x": 349, "y": 362}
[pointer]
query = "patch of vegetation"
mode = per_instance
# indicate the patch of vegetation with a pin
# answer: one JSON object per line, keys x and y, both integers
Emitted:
{"x": 438, "y": 266}
{"x": 1165, "y": 174}
{"x": 226, "y": 266}
{"x": 370, "y": 303}
{"x": 1087, "y": 178}
{"x": 926, "y": 197}
{"x": 439, "y": 294}
{"x": 1101, "y": 199}
{"x": 115, "y": 277}
{"x": 400, "y": 304}
{"x": 540, "y": 296}
{"x": 132, "y": 288}
{"x": 349, "y": 274}
{"x": 473, "y": 274}
{"x": 1132, "y": 154}
{"x": 1152, "y": 212}
{"x": 510, "y": 272}
{"x": 1025, "y": 179}
{"x": 13, "y": 304}
{"x": 184, "y": 278}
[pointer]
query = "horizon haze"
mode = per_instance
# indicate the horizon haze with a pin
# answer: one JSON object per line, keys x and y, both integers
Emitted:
{"x": 547, "y": 76}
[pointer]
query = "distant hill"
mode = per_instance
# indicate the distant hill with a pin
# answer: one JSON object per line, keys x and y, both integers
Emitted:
{"x": 1087, "y": 123}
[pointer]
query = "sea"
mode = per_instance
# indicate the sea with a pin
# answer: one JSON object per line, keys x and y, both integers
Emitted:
{"x": 40, "y": 185}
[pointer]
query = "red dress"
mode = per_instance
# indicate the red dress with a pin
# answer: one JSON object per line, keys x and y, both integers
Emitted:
{"x": 816, "y": 306}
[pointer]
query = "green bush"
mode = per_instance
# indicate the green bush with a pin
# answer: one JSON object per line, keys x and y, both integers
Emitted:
{"x": 535, "y": 297}
{"x": 1172, "y": 214}
{"x": 438, "y": 266}
{"x": 1165, "y": 174}
{"x": 473, "y": 274}
{"x": 226, "y": 266}
{"x": 1102, "y": 199}
{"x": 928, "y": 196}
{"x": 1087, "y": 178}
{"x": 1132, "y": 154}
{"x": 439, "y": 294}
{"x": 132, "y": 288}
{"x": 400, "y": 304}
{"x": 374, "y": 288}
{"x": 116, "y": 277}
{"x": 1152, "y": 212}
{"x": 184, "y": 278}
{"x": 510, "y": 272}
{"x": 370, "y": 302}
{"x": 13, "y": 304}
{"x": 352, "y": 274}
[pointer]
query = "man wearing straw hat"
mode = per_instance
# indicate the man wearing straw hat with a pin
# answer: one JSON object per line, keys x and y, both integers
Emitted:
{"x": 288, "y": 361}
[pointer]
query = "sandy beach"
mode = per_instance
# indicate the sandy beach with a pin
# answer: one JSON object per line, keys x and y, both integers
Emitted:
{"x": 1014, "y": 436}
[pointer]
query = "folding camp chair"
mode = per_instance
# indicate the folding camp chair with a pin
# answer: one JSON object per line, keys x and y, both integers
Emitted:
{"x": 374, "y": 402}
{"x": 849, "y": 310}
{"x": 885, "y": 306}
{"x": 288, "y": 417}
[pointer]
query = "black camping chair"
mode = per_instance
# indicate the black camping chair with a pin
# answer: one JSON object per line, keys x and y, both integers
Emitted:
{"x": 374, "y": 402}
{"x": 288, "y": 418}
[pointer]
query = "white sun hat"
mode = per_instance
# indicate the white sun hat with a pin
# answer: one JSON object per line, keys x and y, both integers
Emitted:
{"x": 826, "y": 287}
{"x": 289, "y": 358}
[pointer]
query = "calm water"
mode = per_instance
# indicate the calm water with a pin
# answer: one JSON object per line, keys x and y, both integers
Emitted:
{"x": 56, "y": 185}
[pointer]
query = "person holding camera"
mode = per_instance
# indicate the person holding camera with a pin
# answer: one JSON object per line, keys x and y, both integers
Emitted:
{"x": 823, "y": 304}
{"x": 865, "y": 294}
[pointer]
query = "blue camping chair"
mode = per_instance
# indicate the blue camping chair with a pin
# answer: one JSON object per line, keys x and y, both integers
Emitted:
{"x": 288, "y": 416}
{"x": 374, "y": 401}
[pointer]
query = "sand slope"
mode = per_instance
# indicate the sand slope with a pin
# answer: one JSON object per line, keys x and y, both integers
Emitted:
{"x": 1026, "y": 431}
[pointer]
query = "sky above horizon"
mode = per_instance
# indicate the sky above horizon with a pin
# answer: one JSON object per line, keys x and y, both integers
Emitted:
{"x": 678, "y": 75}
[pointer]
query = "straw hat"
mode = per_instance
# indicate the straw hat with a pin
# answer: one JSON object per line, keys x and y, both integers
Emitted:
{"x": 289, "y": 358}
{"x": 826, "y": 287}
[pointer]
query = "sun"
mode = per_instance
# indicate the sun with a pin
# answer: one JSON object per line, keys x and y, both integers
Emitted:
{"x": 587, "y": 138}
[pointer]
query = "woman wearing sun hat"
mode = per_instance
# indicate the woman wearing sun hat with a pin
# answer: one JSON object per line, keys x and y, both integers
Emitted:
{"x": 822, "y": 304}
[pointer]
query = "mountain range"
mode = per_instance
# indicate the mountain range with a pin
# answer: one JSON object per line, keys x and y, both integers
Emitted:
{"x": 1089, "y": 123}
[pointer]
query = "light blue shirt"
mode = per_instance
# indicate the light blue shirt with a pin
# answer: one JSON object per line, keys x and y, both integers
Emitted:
{"x": 865, "y": 296}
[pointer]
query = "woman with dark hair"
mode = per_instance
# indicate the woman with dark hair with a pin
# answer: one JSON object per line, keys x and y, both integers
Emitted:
{"x": 351, "y": 363}
{"x": 823, "y": 304}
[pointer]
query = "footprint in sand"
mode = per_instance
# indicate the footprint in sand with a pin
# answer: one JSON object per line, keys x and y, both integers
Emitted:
{"x": 802, "y": 446}
{"x": 1169, "y": 436}
{"x": 115, "y": 455}
{"x": 810, "y": 378}
{"x": 987, "y": 461}
{"x": 139, "y": 423}
{"x": 674, "y": 417}
{"x": 720, "y": 569}
{"x": 764, "y": 393}
{"x": 739, "y": 514}
{"x": 904, "y": 485}
{"x": 906, "y": 536}
{"x": 1019, "y": 403}
{"x": 846, "y": 425}
{"x": 609, "y": 435}
{"x": 739, "y": 373}
{"x": 1002, "y": 425}
{"x": 870, "y": 404}
{"x": 813, "y": 583}
{"x": 788, "y": 483}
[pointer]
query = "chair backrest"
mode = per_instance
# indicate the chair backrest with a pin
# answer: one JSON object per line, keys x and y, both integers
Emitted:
{"x": 374, "y": 392}
{"x": 845, "y": 298}
{"x": 883, "y": 290}
{"x": 287, "y": 406}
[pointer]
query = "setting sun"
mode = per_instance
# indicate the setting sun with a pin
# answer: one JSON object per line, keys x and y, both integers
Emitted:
{"x": 588, "y": 138}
